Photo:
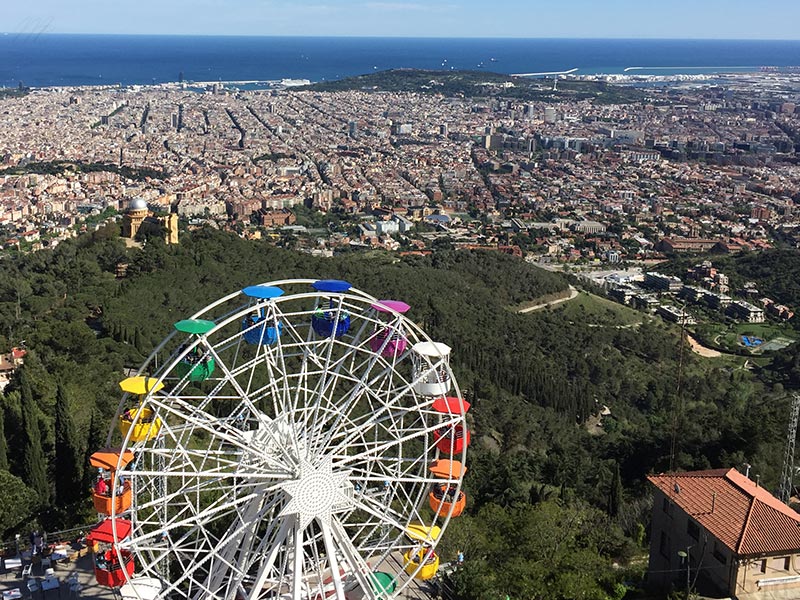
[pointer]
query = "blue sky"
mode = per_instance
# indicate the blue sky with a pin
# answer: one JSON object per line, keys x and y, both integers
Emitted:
{"x": 732, "y": 19}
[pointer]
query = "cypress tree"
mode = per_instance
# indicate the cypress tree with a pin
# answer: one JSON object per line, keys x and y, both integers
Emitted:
{"x": 34, "y": 465}
{"x": 96, "y": 439}
{"x": 3, "y": 444}
{"x": 615, "y": 493}
{"x": 68, "y": 468}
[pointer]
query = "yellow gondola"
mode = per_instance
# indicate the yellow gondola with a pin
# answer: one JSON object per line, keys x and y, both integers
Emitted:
{"x": 423, "y": 533}
{"x": 421, "y": 556}
{"x": 141, "y": 422}
{"x": 140, "y": 385}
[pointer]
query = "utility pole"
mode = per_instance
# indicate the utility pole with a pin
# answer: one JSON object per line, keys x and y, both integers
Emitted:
{"x": 785, "y": 490}
{"x": 685, "y": 556}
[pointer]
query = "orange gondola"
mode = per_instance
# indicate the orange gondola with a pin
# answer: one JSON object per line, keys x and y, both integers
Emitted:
{"x": 117, "y": 498}
{"x": 447, "y": 469}
{"x": 443, "y": 497}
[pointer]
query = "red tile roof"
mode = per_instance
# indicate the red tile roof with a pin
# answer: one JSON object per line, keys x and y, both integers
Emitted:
{"x": 740, "y": 514}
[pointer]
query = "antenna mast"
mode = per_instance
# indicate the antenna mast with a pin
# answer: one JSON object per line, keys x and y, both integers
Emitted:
{"x": 785, "y": 491}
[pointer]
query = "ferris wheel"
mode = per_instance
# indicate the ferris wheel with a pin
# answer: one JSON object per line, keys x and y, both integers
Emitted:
{"x": 303, "y": 440}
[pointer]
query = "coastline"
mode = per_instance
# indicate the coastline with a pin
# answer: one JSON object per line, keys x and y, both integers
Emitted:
{"x": 621, "y": 79}
{"x": 58, "y": 61}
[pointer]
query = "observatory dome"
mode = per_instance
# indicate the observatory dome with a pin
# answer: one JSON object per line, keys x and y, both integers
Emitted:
{"x": 137, "y": 204}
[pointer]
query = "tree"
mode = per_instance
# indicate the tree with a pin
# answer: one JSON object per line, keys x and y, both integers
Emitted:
{"x": 3, "y": 444}
{"x": 615, "y": 492}
{"x": 68, "y": 468}
{"x": 19, "y": 502}
{"x": 33, "y": 466}
{"x": 95, "y": 440}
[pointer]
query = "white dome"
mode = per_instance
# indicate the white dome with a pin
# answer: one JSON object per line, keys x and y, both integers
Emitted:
{"x": 137, "y": 204}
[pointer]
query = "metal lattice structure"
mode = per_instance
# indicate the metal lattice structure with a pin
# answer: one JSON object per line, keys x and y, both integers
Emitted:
{"x": 288, "y": 448}
{"x": 787, "y": 473}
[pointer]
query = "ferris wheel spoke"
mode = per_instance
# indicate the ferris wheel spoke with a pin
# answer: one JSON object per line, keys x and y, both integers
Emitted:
{"x": 297, "y": 570}
{"x": 219, "y": 554}
{"x": 381, "y": 512}
{"x": 254, "y": 410}
{"x": 396, "y": 438}
{"x": 391, "y": 403}
{"x": 238, "y": 537}
{"x": 349, "y": 399}
{"x": 226, "y": 434}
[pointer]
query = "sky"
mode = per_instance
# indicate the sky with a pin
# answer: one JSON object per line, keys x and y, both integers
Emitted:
{"x": 699, "y": 19}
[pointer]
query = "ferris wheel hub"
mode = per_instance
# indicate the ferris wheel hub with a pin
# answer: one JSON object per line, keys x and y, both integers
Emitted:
{"x": 317, "y": 493}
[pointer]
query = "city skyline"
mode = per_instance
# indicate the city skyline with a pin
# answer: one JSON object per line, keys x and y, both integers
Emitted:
{"x": 681, "y": 19}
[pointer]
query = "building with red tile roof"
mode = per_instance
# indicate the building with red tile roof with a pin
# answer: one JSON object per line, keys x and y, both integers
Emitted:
{"x": 740, "y": 539}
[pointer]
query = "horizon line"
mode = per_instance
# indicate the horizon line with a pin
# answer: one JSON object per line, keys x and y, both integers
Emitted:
{"x": 430, "y": 37}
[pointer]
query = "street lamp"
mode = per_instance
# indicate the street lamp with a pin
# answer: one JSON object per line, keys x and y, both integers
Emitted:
{"x": 685, "y": 557}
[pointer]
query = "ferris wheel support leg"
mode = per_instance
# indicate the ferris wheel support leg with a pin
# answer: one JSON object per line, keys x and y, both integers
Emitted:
{"x": 333, "y": 560}
{"x": 297, "y": 570}
{"x": 238, "y": 537}
{"x": 360, "y": 568}
{"x": 265, "y": 569}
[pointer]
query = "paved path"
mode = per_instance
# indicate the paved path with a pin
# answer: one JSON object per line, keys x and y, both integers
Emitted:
{"x": 572, "y": 294}
{"x": 84, "y": 567}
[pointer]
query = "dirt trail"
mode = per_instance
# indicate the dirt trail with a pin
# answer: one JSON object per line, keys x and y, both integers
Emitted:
{"x": 572, "y": 294}
{"x": 698, "y": 348}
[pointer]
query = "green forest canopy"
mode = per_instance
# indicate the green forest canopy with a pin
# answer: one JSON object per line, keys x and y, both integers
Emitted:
{"x": 534, "y": 380}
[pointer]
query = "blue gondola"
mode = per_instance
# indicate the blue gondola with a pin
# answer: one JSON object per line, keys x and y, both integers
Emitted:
{"x": 258, "y": 332}
{"x": 326, "y": 324}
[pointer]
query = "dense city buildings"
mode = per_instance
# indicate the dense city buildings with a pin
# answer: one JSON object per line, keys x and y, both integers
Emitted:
{"x": 690, "y": 167}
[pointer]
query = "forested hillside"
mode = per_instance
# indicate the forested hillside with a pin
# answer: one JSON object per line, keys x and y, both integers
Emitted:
{"x": 565, "y": 490}
{"x": 776, "y": 272}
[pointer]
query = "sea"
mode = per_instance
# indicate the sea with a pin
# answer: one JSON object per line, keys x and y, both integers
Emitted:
{"x": 43, "y": 60}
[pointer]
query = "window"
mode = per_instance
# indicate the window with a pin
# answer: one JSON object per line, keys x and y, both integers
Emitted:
{"x": 779, "y": 563}
{"x": 693, "y": 529}
{"x": 719, "y": 553}
{"x": 663, "y": 546}
{"x": 667, "y": 506}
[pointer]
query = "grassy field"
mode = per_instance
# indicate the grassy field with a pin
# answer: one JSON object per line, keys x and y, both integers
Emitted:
{"x": 595, "y": 311}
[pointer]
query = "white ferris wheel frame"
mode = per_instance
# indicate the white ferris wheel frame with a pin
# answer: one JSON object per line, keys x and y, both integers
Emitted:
{"x": 329, "y": 506}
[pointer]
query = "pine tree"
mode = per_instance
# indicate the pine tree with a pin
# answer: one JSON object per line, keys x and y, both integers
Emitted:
{"x": 68, "y": 473}
{"x": 34, "y": 465}
{"x": 615, "y": 492}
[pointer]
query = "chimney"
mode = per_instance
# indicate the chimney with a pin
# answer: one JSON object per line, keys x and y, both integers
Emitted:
{"x": 758, "y": 478}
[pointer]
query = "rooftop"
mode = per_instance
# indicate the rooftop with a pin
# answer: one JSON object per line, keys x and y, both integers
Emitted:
{"x": 735, "y": 510}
